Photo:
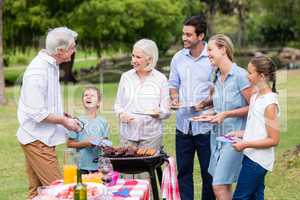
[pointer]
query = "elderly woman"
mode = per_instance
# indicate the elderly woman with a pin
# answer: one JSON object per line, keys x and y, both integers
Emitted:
{"x": 142, "y": 99}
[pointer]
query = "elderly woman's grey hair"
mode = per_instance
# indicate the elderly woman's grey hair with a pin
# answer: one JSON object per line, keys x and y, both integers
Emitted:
{"x": 59, "y": 38}
{"x": 150, "y": 49}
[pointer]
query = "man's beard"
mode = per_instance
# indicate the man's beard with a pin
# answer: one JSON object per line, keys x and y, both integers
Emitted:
{"x": 194, "y": 44}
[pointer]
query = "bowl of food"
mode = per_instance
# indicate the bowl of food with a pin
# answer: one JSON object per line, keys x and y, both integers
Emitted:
{"x": 95, "y": 191}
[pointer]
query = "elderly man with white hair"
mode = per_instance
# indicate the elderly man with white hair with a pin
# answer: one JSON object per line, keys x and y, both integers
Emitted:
{"x": 143, "y": 99}
{"x": 42, "y": 122}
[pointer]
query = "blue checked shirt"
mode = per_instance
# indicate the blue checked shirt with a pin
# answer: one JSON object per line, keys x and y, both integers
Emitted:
{"x": 192, "y": 79}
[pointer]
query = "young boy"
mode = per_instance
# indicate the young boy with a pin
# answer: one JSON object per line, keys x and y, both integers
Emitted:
{"x": 95, "y": 127}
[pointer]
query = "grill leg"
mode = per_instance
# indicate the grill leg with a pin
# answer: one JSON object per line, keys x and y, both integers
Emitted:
{"x": 154, "y": 184}
{"x": 159, "y": 174}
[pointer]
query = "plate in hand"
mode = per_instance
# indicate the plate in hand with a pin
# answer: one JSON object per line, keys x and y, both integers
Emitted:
{"x": 100, "y": 141}
{"x": 146, "y": 112}
{"x": 230, "y": 139}
{"x": 203, "y": 118}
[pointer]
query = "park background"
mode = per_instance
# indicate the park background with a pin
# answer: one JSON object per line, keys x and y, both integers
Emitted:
{"x": 108, "y": 29}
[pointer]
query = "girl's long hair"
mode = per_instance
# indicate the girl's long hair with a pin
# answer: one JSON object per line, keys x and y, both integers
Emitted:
{"x": 265, "y": 65}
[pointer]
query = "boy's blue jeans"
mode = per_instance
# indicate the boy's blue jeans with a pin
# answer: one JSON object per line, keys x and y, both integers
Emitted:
{"x": 251, "y": 182}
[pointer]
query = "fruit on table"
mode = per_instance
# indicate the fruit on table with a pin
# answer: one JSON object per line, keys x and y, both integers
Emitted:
{"x": 92, "y": 177}
{"x": 67, "y": 194}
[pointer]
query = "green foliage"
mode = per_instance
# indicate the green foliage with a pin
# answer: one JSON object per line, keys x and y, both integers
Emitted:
{"x": 20, "y": 56}
{"x": 102, "y": 25}
{"x": 80, "y": 64}
{"x": 13, "y": 75}
{"x": 226, "y": 24}
{"x": 254, "y": 24}
{"x": 118, "y": 24}
{"x": 193, "y": 7}
{"x": 281, "y": 22}
{"x": 24, "y": 22}
{"x": 109, "y": 25}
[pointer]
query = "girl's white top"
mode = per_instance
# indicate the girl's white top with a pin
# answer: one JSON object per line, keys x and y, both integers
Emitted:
{"x": 256, "y": 129}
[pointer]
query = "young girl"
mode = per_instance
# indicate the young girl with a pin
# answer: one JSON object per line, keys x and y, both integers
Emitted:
{"x": 261, "y": 133}
{"x": 95, "y": 127}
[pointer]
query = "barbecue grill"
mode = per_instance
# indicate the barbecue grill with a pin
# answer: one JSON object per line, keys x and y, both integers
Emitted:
{"x": 136, "y": 165}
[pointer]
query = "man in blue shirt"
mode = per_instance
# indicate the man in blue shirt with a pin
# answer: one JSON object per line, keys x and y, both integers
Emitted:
{"x": 190, "y": 80}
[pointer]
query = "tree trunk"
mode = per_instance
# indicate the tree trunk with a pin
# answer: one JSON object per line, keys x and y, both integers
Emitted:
{"x": 210, "y": 15}
{"x": 241, "y": 19}
{"x": 243, "y": 7}
{"x": 2, "y": 82}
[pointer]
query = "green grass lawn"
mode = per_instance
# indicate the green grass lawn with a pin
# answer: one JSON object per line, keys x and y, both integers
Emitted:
{"x": 281, "y": 184}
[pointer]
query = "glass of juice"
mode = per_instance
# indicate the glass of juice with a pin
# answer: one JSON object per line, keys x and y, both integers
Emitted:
{"x": 70, "y": 165}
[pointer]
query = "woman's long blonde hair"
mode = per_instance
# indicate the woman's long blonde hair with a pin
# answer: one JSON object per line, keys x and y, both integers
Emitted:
{"x": 222, "y": 40}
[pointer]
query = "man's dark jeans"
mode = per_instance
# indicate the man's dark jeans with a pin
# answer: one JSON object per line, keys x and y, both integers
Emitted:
{"x": 186, "y": 146}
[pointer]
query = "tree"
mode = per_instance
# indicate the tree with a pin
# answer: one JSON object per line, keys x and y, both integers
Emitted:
{"x": 114, "y": 24}
{"x": 102, "y": 25}
{"x": 211, "y": 9}
{"x": 207, "y": 8}
{"x": 280, "y": 24}
{"x": 26, "y": 21}
{"x": 241, "y": 8}
{"x": 2, "y": 82}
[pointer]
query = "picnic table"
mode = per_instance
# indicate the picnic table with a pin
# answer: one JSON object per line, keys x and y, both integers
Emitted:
{"x": 124, "y": 189}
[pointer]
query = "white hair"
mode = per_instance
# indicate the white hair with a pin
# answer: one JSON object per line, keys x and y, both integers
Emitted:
{"x": 150, "y": 49}
{"x": 59, "y": 38}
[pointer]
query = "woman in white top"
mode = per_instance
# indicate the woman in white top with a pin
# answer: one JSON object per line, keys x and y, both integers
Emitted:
{"x": 261, "y": 133}
{"x": 143, "y": 99}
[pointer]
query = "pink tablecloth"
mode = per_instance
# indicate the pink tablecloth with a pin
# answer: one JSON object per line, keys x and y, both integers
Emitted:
{"x": 137, "y": 189}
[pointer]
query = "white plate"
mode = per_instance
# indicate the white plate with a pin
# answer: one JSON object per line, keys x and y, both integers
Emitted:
{"x": 201, "y": 119}
{"x": 183, "y": 106}
{"x": 100, "y": 142}
{"x": 228, "y": 139}
{"x": 145, "y": 113}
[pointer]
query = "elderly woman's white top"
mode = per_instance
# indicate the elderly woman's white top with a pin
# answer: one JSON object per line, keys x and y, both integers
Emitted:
{"x": 136, "y": 96}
